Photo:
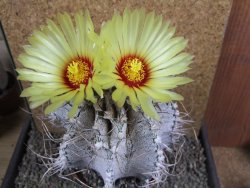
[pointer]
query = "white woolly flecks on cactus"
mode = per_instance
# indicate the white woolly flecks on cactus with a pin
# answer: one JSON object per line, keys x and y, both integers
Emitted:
{"x": 125, "y": 144}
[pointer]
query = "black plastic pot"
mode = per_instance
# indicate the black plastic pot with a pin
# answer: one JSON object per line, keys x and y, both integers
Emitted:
{"x": 213, "y": 180}
{"x": 9, "y": 101}
{"x": 9, "y": 98}
{"x": 20, "y": 149}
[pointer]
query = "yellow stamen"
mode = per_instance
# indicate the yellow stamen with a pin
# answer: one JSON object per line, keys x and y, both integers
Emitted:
{"x": 133, "y": 70}
{"x": 78, "y": 72}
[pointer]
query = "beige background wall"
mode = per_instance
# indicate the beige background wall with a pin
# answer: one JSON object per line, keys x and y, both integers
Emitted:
{"x": 201, "y": 21}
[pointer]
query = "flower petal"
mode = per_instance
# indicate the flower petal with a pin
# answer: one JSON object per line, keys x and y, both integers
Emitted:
{"x": 178, "y": 45}
{"x": 64, "y": 97}
{"x": 58, "y": 36}
{"x": 174, "y": 96}
{"x": 172, "y": 70}
{"x": 53, "y": 92}
{"x": 35, "y": 104}
{"x": 120, "y": 102}
{"x": 58, "y": 101}
{"x": 68, "y": 30}
{"x": 156, "y": 94}
{"x": 168, "y": 82}
{"x": 49, "y": 85}
{"x": 98, "y": 89}
{"x": 38, "y": 98}
{"x": 52, "y": 107}
{"x": 30, "y": 91}
{"x": 43, "y": 53}
{"x": 29, "y": 75}
{"x": 102, "y": 79}
{"x": 89, "y": 93}
{"x": 182, "y": 57}
{"x": 147, "y": 105}
{"x": 108, "y": 85}
{"x": 41, "y": 40}
{"x": 116, "y": 95}
{"x": 132, "y": 97}
{"x": 79, "y": 97}
{"x": 38, "y": 65}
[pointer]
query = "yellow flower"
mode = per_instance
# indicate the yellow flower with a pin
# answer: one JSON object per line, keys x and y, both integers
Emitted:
{"x": 144, "y": 60}
{"x": 61, "y": 62}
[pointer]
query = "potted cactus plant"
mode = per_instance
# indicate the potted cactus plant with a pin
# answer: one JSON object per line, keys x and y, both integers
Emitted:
{"x": 112, "y": 93}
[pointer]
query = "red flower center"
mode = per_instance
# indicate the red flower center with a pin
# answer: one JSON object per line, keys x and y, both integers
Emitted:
{"x": 133, "y": 70}
{"x": 78, "y": 71}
